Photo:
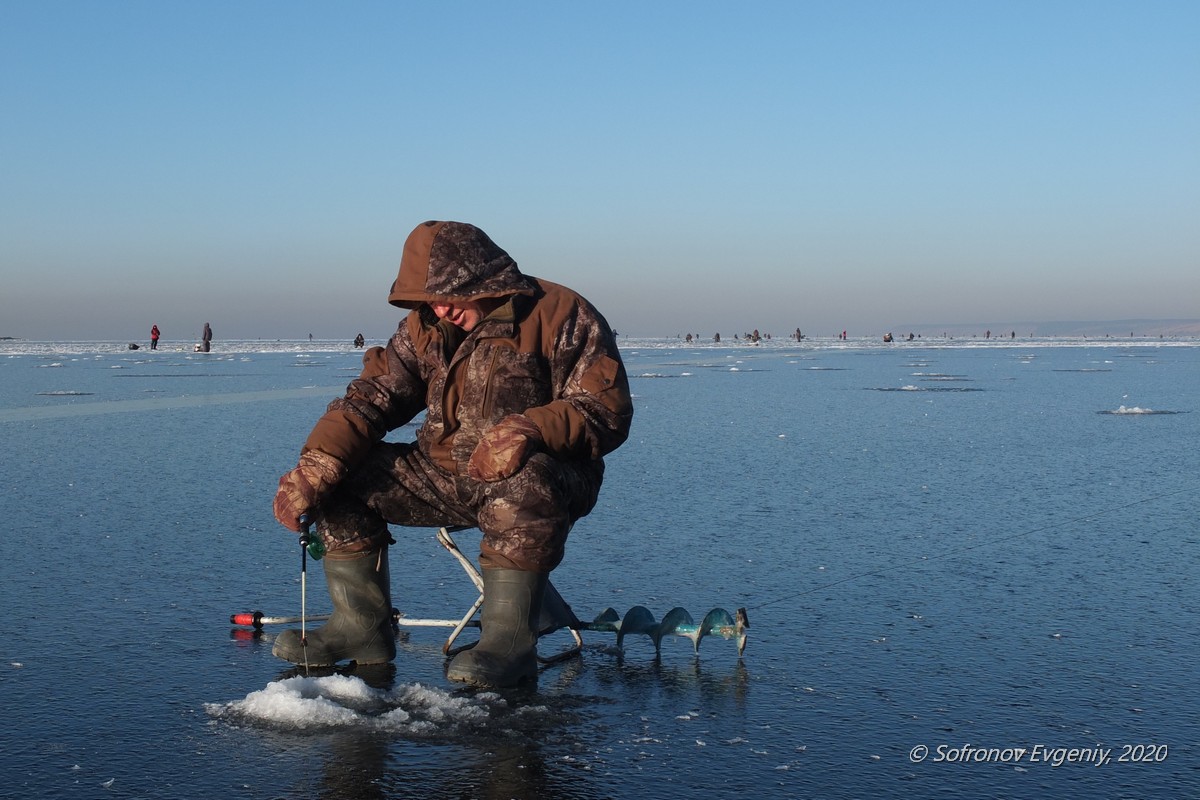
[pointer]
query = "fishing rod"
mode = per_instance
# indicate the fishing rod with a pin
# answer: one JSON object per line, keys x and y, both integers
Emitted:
{"x": 315, "y": 547}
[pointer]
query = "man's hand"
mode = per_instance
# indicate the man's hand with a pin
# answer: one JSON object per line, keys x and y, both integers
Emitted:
{"x": 504, "y": 449}
{"x": 303, "y": 489}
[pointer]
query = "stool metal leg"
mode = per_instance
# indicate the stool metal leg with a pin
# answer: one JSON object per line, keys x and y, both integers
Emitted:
{"x": 447, "y": 541}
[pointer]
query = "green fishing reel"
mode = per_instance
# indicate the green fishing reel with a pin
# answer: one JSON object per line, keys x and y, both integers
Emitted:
{"x": 315, "y": 548}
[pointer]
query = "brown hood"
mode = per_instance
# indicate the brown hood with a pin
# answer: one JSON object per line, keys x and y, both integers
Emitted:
{"x": 449, "y": 261}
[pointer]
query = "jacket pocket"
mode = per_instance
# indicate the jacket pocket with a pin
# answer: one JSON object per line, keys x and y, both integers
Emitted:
{"x": 515, "y": 382}
{"x": 601, "y": 376}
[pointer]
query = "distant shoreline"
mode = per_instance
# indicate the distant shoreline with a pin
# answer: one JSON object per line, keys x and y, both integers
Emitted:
{"x": 1114, "y": 330}
{"x": 1120, "y": 328}
{"x": 306, "y": 352}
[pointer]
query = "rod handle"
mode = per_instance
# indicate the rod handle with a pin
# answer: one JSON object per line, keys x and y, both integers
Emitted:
{"x": 311, "y": 544}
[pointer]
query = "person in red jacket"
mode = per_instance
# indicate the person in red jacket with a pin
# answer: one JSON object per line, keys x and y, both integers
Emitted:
{"x": 524, "y": 393}
{"x": 154, "y": 337}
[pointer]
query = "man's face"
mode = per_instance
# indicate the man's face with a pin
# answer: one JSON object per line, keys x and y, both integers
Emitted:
{"x": 466, "y": 314}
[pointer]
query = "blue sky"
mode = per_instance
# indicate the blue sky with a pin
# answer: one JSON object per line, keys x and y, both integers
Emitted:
{"x": 688, "y": 166}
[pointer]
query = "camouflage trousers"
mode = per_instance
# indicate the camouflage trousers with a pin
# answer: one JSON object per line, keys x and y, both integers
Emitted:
{"x": 524, "y": 519}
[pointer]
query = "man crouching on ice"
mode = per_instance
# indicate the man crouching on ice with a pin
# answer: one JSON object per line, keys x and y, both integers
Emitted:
{"x": 524, "y": 393}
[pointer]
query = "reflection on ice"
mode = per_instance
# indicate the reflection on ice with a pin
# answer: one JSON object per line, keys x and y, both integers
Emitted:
{"x": 28, "y": 414}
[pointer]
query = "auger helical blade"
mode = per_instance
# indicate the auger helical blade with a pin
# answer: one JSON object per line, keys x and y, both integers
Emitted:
{"x": 678, "y": 622}
{"x": 608, "y": 621}
{"x": 637, "y": 620}
{"x": 718, "y": 621}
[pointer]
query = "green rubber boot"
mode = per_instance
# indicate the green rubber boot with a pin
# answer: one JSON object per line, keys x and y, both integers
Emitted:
{"x": 506, "y": 653}
{"x": 360, "y": 627}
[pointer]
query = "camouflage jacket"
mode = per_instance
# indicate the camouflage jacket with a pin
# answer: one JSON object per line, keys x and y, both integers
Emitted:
{"x": 545, "y": 353}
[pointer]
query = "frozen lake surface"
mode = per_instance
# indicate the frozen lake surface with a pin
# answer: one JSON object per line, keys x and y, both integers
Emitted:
{"x": 987, "y": 549}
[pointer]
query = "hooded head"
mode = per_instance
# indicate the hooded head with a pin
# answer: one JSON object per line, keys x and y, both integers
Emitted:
{"x": 454, "y": 261}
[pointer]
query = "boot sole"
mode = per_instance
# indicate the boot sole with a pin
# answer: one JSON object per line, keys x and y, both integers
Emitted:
{"x": 294, "y": 654}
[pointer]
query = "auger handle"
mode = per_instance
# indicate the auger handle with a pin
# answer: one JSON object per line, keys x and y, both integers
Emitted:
{"x": 254, "y": 618}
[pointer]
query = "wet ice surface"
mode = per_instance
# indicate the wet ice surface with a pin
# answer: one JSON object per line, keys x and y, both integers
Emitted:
{"x": 1003, "y": 567}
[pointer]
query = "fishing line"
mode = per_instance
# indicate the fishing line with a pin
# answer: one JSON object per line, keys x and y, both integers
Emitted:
{"x": 304, "y": 589}
{"x": 961, "y": 550}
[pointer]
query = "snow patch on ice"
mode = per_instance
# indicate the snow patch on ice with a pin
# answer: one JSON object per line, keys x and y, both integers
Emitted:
{"x": 342, "y": 701}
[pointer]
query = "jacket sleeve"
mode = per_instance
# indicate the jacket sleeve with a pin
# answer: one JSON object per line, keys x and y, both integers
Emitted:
{"x": 592, "y": 410}
{"x": 388, "y": 393}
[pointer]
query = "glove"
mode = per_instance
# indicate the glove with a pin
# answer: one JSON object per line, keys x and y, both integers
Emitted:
{"x": 305, "y": 487}
{"x": 504, "y": 449}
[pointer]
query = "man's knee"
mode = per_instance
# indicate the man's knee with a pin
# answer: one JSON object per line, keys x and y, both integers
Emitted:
{"x": 348, "y": 525}
{"x": 526, "y": 522}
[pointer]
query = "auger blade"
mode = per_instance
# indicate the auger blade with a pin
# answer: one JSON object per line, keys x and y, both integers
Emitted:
{"x": 677, "y": 622}
{"x": 608, "y": 621}
{"x": 637, "y": 620}
{"x": 718, "y": 621}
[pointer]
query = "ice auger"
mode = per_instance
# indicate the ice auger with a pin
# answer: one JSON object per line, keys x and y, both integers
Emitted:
{"x": 556, "y": 616}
